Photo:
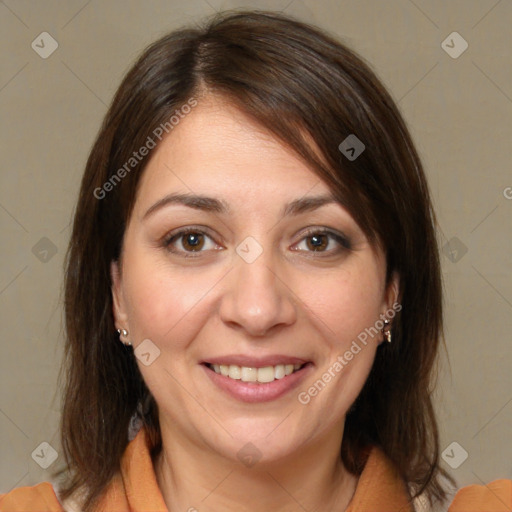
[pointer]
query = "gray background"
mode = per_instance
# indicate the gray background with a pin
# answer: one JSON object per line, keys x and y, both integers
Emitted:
{"x": 459, "y": 111}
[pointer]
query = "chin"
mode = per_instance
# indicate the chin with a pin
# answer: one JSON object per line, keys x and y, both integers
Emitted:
{"x": 258, "y": 438}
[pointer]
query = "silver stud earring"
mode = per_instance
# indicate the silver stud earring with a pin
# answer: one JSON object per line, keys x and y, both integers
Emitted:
{"x": 124, "y": 333}
{"x": 387, "y": 332}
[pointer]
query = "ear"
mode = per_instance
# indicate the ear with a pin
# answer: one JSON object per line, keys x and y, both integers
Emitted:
{"x": 118, "y": 303}
{"x": 393, "y": 291}
{"x": 391, "y": 298}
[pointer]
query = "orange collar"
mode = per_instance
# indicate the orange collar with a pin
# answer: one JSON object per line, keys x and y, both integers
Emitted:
{"x": 136, "y": 488}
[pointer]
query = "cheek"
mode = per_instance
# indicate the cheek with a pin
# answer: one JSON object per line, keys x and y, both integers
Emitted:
{"x": 355, "y": 305}
{"x": 344, "y": 307}
{"x": 163, "y": 304}
{"x": 346, "y": 302}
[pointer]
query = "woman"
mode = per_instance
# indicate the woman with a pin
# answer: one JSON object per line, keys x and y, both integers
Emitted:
{"x": 253, "y": 268}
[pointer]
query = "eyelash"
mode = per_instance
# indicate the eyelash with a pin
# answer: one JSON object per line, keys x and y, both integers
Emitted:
{"x": 343, "y": 242}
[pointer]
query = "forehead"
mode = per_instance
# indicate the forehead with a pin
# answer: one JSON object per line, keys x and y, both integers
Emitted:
{"x": 217, "y": 149}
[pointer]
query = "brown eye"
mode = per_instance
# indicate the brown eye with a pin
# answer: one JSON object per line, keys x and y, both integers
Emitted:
{"x": 317, "y": 242}
{"x": 192, "y": 241}
{"x": 189, "y": 241}
{"x": 324, "y": 241}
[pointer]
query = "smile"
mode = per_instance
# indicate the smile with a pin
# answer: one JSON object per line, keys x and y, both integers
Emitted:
{"x": 251, "y": 374}
{"x": 250, "y": 384}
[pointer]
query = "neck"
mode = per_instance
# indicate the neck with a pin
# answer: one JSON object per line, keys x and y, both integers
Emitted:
{"x": 193, "y": 478}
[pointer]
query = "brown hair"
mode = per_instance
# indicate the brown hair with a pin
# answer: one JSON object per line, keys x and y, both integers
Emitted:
{"x": 301, "y": 85}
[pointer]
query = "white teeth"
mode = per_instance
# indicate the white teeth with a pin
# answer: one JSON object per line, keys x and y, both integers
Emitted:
{"x": 247, "y": 374}
{"x": 266, "y": 374}
{"x": 279, "y": 371}
{"x": 235, "y": 372}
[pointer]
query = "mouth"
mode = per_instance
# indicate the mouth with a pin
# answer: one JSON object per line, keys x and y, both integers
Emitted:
{"x": 251, "y": 374}
{"x": 263, "y": 378}
{"x": 259, "y": 383}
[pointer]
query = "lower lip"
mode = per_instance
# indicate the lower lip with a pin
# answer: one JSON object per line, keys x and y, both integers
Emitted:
{"x": 258, "y": 392}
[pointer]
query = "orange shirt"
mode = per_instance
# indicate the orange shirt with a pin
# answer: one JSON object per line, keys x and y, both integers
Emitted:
{"x": 135, "y": 489}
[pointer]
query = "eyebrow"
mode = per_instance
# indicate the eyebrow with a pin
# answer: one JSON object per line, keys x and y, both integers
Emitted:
{"x": 211, "y": 204}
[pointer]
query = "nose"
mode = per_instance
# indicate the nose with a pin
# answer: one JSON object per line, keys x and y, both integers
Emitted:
{"x": 257, "y": 299}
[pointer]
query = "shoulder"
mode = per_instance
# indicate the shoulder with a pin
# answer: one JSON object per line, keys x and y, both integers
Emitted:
{"x": 37, "y": 498}
{"x": 495, "y": 496}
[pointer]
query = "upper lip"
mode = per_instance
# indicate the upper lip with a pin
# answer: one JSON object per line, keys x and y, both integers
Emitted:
{"x": 254, "y": 362}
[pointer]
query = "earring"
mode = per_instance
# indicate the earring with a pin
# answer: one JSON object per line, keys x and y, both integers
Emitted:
{"x": 123, "y": 332}
{"x": 387, "y": 332}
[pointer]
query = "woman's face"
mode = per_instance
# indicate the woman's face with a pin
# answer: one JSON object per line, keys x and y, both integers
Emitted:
{"x": 265, "y": 275}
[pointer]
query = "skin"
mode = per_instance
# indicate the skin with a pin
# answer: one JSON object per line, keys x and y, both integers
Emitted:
{"x": 291, "y": 300}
